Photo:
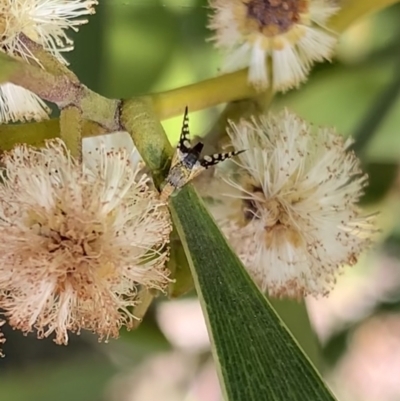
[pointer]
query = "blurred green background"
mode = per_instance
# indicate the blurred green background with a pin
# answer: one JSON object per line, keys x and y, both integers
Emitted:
{"x": 133, "y": 47}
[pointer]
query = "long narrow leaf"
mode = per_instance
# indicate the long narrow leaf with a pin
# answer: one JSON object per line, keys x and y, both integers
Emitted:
{"x": 256, "y": 357}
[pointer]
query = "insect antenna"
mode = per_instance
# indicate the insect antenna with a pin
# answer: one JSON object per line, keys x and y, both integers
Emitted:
{"x": 184, "y": 144}
{"x": 211, "y": 160}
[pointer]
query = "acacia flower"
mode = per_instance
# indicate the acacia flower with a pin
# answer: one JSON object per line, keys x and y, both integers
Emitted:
{"x": 77, "y": 240}
{"x": 46, "y": 23}
{"x": 43, "y": 21}
{"x": 19, "y": 104}
{"x": 290, "y": 210}
{"x": 278, "y": 40}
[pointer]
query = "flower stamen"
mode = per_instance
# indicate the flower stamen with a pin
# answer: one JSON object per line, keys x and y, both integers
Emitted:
{"x": 278, "y": 40}
{"x": 81, "y": 237}
{"x": 291, "y": 213}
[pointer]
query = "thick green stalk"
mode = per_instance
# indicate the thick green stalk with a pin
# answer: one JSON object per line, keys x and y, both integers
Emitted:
{"x": 35, "y": 134}
{"x": 226, "y": 88}
{"x": 353, "y": 10}
{"x": 230, "y": 87}
{"x": 139, "y": 119}
{"x": 71, "y": 130}
{"x": 202, "y": 95}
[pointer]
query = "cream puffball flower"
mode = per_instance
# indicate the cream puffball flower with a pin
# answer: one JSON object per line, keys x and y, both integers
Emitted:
{"x": 45, "y": 22}
{"x": 278, "y": 40}
{"x": 290, "y": 210}
{"x": 19, "y": 104}
{"x": 77, "y": 240}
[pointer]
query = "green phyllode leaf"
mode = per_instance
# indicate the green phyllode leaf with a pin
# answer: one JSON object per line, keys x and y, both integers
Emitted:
{"x": 256, "y": 356}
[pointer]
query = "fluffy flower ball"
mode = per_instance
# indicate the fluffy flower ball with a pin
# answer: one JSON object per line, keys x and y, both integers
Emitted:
{"x": 290, "y": 208}
{"x": 279, "y": 40}
{"x": 77, "y": 240}
{"x": 45, "y": 22}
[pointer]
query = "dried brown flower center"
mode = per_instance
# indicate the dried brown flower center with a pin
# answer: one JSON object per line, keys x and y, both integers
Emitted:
{"x": 250, "y": 210}
{"x": 274, "y": 17}
{"x": 251, "y": 206}
{"x": 277, "y": 224}
{"x": 71, "y": 240}
{"x": 81, "y": 246}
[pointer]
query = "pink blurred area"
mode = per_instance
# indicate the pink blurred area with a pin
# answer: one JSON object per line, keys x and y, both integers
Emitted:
{"x": 369, "y": 369}
{"x": 186, "y": 373}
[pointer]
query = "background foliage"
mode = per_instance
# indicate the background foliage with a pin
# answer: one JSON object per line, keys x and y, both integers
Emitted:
{"x": 139, "y": 46}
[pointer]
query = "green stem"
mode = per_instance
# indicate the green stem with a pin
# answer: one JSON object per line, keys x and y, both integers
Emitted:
{"x": 202, "y": 95}
{"x": 138, "y": 118}
{"x": 36, "y": 134}
{"x": 145, "y": 299}
{"x": 178, "y": 265}
{"x": 227, "y": 88}
{"x": 234, "y": 111}
{"x": 377, "y": 113}
{"x": 47, "y": 60}
{"x": 230, "y": 87}
{"x": 56, "y": 89}
{"x": 100, "y": 109}
{"x": 62, "y": 90}
{"x": 71, "y": 130}
{"x": 353, "y": 10}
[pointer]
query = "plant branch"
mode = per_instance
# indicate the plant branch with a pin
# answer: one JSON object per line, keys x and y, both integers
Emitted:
{"x": 57, "y": 89}
{"x": 59, "y": 85}
{"x": 377, "y": 113}
{"x": 230, "y": 87}
{"x": 36, "y": 134}
{"x": 99, "y": 109}
{"x": 71, "y": 130}
{"x": 234, "y": 111}
{"x": 139, "y": 119}
{"x": 61, "y": 89}
{"x": 50, "y": 63}
{"x": 353, "y": 10}
{"x": 202, "y": 95}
